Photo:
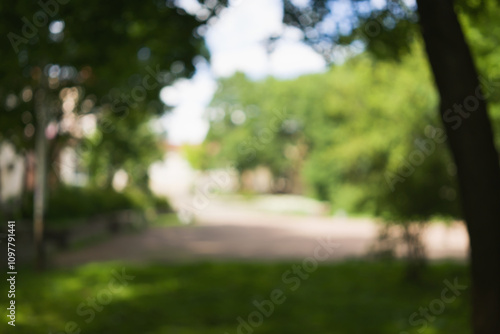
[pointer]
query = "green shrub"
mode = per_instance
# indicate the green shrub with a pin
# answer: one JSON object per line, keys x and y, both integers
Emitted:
{"x": 76, "y": 202}
{"x": 72, "y": 205}
{"x": 161, "y": 204}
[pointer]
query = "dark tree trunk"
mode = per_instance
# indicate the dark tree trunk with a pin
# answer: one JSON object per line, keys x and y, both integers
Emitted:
{"x": 471, "y": 141}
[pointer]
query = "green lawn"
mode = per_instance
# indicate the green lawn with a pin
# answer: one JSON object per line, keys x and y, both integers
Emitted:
{"x": 350, "y": 297}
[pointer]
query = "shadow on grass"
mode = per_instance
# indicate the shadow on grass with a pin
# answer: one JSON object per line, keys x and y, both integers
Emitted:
{"x": 349, "y": 297}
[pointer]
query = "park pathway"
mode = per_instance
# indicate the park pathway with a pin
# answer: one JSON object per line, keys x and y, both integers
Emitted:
{"x": 238, "y": 231}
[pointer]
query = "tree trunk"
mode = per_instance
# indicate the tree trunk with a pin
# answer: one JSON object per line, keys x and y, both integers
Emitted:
{"x": 470, "y": 138}
{"x": 40, "y": 178}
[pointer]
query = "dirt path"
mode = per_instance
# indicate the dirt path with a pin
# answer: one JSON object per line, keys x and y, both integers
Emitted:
{"x": 236, "y": 232}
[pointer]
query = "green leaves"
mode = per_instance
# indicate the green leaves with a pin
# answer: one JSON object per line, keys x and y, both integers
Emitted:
{"x": 352, "y": 127}
{"x": 116, "y": 54}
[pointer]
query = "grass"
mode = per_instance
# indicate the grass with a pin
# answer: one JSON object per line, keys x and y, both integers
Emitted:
{"x": 345, "y": 298}
{"x": 166, "y": 219}
{"x": 89, "y": 241}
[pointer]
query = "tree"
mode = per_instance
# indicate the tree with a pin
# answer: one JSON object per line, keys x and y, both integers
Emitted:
{"x": 353, "y": 156}
{"x": 114, "y": 56}
{"x": 105, "y": 152}
{"x": 474, "y": 152}
{"x": 471, "y": 143}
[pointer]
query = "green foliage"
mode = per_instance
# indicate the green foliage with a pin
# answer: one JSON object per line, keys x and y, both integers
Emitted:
{"x": 73, "y": 203}
{"x": 166, "y": 219}
{"x": 267, "y": 126}
{"x": 131, "y": 145}
{"x": 76, "y": 202}
{"x": 350, "y": 297}
{"x": 387, "y": 30}
{"x": 98, "y": 51}
{"x": 197, "y": 155}
{"x": 114, "y": 58}
{"x": 162, "y": 204}
{"x": 484, "y": 36}
{"x": 347, "y": 132}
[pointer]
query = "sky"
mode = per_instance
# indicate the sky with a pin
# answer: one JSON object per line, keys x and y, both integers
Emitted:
{"x": 236, "y": 43}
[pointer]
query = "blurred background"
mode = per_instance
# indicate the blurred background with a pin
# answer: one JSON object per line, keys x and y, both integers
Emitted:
{"x": 251, "y": 166}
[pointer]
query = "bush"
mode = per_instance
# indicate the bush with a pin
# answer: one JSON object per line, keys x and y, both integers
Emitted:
{"x": 76, "y": 202}
{"x": 162, "y": 205}
{"x": 72, "y": 205}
